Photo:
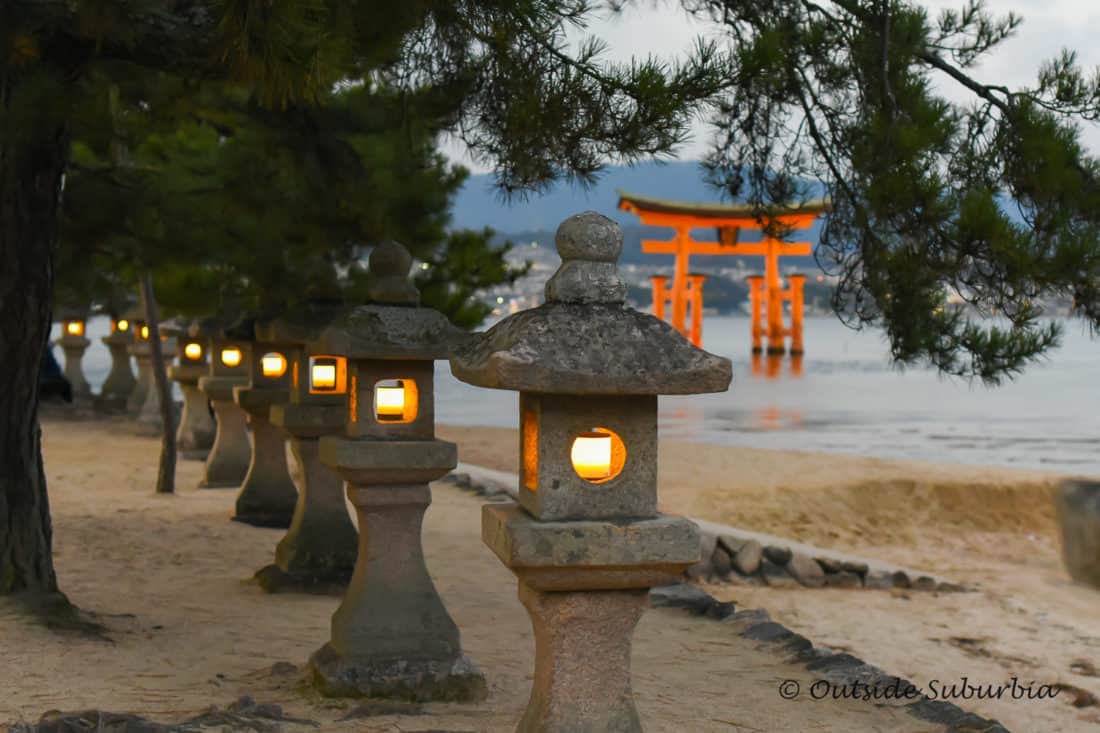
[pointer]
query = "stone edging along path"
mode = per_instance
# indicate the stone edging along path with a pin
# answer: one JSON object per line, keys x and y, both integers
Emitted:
{"x": 739, "y": 556}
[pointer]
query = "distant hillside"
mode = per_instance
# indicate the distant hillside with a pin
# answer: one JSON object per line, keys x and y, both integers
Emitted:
{"x": 478, "y": 205}
{"x": 535, "y": 220}
{"x": 632, "y": 250}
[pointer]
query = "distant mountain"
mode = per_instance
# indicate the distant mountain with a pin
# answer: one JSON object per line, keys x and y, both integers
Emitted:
{"x": 478, "y": 204}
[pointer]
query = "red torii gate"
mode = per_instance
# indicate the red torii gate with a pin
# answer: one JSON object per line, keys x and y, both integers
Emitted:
{"x": 729, "y": 220}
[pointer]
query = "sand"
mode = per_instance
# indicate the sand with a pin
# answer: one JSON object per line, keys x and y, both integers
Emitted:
{"x": 165, "y": 574}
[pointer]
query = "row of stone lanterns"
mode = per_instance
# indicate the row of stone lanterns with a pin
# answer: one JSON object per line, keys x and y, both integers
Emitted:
{"x": 352, "y": 390}
{"x": 585, "y": 540}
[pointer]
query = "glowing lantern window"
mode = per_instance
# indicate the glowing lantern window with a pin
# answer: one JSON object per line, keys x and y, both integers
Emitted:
{"x": 144, "y": 331}
{"x": 598, "y": 455}
{"x": 74, "y": 328}
{"x": 193, "y": 351}
{"x": 395, "y": 401}
{"x": 327, "y": 375}
{"x": 122, "y": 325}
{"x": 231, "y": 356}
{"x": 273, "y": 365}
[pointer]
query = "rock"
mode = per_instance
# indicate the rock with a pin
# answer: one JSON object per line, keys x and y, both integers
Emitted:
{"x": 1078, "y": 503}
{"x": 829, "y": 565}
{"x": 692, "y": 598}
{"x": 721, "y": 562}
{"x": 859, "y": 568}
{"x": 750, "y": 617}
{"x": 843, "y": 579}
{"x": 703, "y": 569}
{"x": 681, "y": 595}
{"x": 901, "y": 579}
{"x": 924, "y": 583}
{"x": 806, "y": 571}
{"x": 878, "y": 581}
{"x": 951, "y": 588}
{"x": 459, "y": 479}
{"x": 776, "y": 576}
{"x": 747, "y": 560}
{"x": 731, "y": 544}
{"x": 778, "y": 555}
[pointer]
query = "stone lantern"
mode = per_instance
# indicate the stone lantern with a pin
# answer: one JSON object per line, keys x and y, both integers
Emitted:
{"x": 268, "y": 494}
{"x": 195, "y": 434}
{"x": 149, "y": 416}
{"x": 392, "y": 636}
{"x": 143, "y": 355}
{"x": 74, "y": 343}
{"x": 120, "y": 382}
{"x": 317, "y": 554}
{"x": 585, "y": 540}
{"x": 230, "y": 365}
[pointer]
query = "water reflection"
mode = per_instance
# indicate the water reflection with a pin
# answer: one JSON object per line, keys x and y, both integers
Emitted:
{"x": 776, "y": 418}
{"x": 771, "y": 365}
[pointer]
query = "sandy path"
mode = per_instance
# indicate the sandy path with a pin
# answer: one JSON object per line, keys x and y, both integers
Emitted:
{"x": 166, "y": 574}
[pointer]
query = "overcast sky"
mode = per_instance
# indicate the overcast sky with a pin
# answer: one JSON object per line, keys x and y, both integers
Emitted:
{"x": 1049, "y": 26}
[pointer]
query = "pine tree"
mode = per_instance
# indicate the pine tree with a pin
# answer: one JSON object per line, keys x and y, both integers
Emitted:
{"x": 996, "y": 199}
{"x": 499, "y": 73}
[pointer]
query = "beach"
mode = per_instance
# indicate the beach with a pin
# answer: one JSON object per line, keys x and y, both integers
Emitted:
{"x": 166, "y": 576}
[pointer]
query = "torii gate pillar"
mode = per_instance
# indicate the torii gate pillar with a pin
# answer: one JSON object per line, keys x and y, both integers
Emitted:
{"x": 756, "y": 298}
{"x": 796, "y": 291}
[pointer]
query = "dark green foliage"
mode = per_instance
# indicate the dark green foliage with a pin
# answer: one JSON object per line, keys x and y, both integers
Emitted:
{"x": 996, "y": 200}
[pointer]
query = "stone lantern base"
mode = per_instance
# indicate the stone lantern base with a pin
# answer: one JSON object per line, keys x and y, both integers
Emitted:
{"x": 392, "y": 636}
{"x": 268, "y": 495}
{"x": 317, "y": 555}
{"x": 74, "y": 348}
{"x": 584, "y": 584}
{"x": 227, "y": 464}
{"x": 428, "y": 680}
{"x": 195, "y": 435}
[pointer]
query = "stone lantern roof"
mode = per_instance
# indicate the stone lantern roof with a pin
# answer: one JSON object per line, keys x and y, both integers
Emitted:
{"x": 134, "y": 313}
{"x": 584, "y": 339}
{"x": 177, "y": 327}
{"x": 392, "y": 325}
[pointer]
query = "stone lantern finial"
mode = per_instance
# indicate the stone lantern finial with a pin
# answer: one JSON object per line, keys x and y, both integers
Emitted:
{"x": 390, "y": 263}
{"x": 590, "y": 245}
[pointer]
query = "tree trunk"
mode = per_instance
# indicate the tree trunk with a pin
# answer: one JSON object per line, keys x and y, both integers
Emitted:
{"x": 166, "y": 475}
{"x": 34, "y": 149}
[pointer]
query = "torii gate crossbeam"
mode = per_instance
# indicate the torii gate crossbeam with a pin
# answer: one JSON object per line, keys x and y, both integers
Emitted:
{"x": 729, "y": 220}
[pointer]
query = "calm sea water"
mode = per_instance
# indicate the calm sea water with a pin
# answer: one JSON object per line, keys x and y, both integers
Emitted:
{"x": 847, "y": 398}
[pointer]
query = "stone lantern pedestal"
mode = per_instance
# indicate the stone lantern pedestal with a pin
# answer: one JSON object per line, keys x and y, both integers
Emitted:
{"x": 120, "y": 382}
{"x": 391, "y": 636}
{"x": 195, "y": 434}
{"x": 585, "y": 540}
{"x": 74, "y": 348}
{"x": 585, "y": 585}
{"x": 143, "y": 355}
{"x": 149, "y": 416}
{"x": 318, "y": 552}
{"x": 268, "y": 495}
{"x": 227, "y": 463}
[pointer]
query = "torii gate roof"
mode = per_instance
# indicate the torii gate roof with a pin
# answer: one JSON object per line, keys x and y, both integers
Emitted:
{"x": 716, "y": 214}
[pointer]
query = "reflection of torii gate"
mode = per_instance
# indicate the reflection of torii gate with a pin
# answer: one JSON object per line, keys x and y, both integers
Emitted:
{"x": 766, "y": 293}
